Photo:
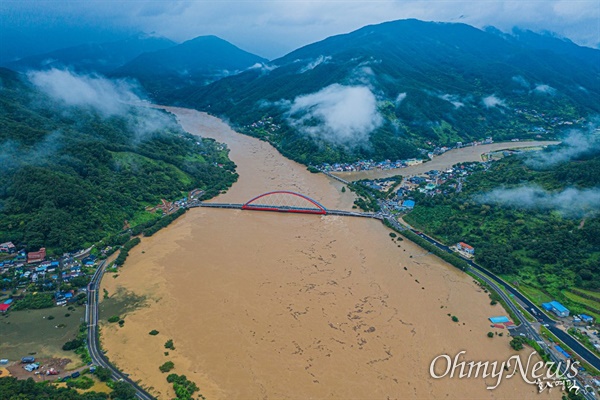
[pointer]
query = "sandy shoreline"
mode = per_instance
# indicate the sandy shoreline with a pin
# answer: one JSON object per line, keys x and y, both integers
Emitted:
{"x": 281, "y": 306}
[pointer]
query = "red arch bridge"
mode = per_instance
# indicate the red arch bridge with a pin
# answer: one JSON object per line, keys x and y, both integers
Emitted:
{"x": 285, "y": 201}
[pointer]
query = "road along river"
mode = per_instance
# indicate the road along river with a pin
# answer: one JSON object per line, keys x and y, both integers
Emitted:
{"x": 286, "y": 306}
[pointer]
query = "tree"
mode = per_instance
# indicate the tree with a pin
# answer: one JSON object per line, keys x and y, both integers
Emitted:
{"x": 490, "y": 334}
{"x": 122, "y": 391}
{"x": 166, "y": 367}
{"x": 517, "y": 343}
{"x": 72, "y": 344}
{"x": 102, "y": 373}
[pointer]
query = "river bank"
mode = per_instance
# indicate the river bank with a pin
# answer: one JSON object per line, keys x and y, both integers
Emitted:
{"x": 443, "y": 161}
{"x": 271, "y": 305}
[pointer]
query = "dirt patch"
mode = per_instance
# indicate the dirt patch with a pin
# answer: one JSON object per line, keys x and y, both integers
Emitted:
{"x": 46, "y": 364}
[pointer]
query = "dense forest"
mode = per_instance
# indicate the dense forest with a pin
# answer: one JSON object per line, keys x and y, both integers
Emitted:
{"x": 72, "y": 175}
{"x": 546, "y": 244}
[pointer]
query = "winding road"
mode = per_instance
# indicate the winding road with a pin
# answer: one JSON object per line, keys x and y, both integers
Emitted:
{"x": 93, "y": 339}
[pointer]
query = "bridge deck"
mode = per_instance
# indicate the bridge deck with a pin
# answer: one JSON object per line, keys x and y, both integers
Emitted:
{"x": 287, "y": 209}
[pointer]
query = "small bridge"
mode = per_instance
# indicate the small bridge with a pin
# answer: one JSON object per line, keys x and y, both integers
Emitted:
{"x": 286, "y": 201}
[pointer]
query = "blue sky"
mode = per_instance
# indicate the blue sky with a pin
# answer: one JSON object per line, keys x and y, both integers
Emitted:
{"x": 269, "y": 28}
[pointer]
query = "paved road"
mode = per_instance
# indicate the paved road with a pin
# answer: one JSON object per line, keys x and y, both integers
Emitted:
{"x": 93, "y": 341}
{"x": 526, "y": 328}
{"x": 289, "y": 209}
{"x": 577, "y": 347}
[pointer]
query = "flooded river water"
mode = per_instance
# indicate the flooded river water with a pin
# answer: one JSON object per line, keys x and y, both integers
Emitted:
{"x": 284, "y": 306}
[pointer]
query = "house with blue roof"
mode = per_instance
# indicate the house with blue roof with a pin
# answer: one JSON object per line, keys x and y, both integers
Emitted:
{"x": 556, "y": 308}
{"x": 410, "y": 204}
{"x": 586, "y": 318}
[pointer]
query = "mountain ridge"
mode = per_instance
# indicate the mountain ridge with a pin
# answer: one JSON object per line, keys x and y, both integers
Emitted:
{"x": 455, "y": 83}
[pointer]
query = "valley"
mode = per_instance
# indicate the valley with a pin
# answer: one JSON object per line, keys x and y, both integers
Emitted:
{"x": 288, "y": 306}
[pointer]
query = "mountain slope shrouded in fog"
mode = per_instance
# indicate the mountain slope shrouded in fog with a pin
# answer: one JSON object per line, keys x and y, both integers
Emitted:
{"x": 196, "y": 62}
{"x": 413, "y": 82}
{"x": 93, "y": 57}
{"x": 77, "y": 160}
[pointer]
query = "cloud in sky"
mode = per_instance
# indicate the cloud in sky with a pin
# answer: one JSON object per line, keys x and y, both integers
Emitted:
{"x": 273, "y": 28}
{"x": 343, "y": 115}
{"x": 570, "y": 202}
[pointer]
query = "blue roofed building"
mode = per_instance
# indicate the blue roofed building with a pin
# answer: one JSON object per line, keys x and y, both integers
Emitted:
{"x": 556, "y": 308}
{"x": 410, "y": 204}
{"x": 586, "y": 318}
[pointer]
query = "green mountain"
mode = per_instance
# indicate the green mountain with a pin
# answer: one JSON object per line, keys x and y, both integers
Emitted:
{"x": 384, "y": 90}
{"x": 196, "y": 62}
{"x": 93, "y": 57}
{"x": 71, "y": 175}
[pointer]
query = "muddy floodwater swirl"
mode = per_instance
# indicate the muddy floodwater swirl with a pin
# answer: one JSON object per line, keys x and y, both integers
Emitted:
{"x": 264, "y": 305}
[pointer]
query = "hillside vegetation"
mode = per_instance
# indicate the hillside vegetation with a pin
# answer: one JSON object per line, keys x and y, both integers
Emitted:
{"x": 385, "y": 90}
{"x": 550, "y": 250}
{"x": 71, "y": 175}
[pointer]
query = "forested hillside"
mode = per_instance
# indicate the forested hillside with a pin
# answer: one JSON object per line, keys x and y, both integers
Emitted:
{"x": 385, "y": 90}
{"x": 72, "y": 174}
{"x": 537, "y": 225}
{"x": 196, "y": 62}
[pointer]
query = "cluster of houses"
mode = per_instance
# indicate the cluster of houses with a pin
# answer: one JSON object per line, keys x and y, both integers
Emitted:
{"x": 428, "y": 183}
{"x": 266, "y": 123}
{"x": 23, "y": 268}
{"x": 552, "y": 121}
{"x": 168, "y": 207}
{"x": 366, "y": 165}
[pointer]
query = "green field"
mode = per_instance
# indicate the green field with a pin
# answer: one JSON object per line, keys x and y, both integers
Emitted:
{"x": 534, "y": 294}
{"x": 575, "y": 299}
{"x": 595, "y": 295}
{"x": 30, "y": 331}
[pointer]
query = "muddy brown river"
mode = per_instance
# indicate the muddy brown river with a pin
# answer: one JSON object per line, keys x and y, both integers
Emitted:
{"x": 282, "y": 306}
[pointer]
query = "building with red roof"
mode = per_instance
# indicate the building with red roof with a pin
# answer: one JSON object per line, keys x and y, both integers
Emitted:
{"x": 465, "y": 247}
{"x": 36, "y": 256}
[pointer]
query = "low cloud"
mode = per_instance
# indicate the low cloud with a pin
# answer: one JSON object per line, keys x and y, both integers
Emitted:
{"x": 493, "y": 101}
{"x": 264, "y": 68}
{"x": 545, "y": 89}
{"x": 342, "y": 115}
{"x": 105, "y": 96}
{"x": 577, "y": 143}
{"x": 521, "y": 81}
{"x": 400, "y": 98}
{"x": 452, "y": 98}
{"x": 14, "y": 155}
{"x": 570, "y": 202}
{"x": 311, "y": 65}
